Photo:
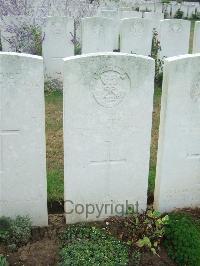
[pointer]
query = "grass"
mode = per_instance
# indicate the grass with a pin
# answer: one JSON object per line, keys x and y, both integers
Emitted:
{"x": 54, "y": 134}
{"x": 55, "y": 154}
{"x": 154, "y": 140}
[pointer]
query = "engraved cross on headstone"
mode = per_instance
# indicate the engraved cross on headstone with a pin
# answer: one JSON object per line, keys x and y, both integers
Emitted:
{"x": 4, "y": 132}
{"x": 193, "y": 156}
{"x": 108, "y": 160}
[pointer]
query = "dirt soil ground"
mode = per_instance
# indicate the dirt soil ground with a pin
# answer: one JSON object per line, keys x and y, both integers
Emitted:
{"x": 43, "y": 248}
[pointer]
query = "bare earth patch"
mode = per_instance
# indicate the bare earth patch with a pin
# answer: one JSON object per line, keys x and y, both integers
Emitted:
{"x": 43, "y": 249}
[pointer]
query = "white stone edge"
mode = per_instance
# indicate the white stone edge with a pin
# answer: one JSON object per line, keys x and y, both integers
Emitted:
{"x": 97, "y": 17}
{"x": 22, "y": 55}
{"x": 107, "y": 54}
{"x": 176, "y": 19}
{"x": 134, "y": 18}
{"x": 181, "y": 57}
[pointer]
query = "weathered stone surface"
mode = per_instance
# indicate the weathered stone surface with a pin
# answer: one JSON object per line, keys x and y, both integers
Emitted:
{"x": 113, "y": 14}
{"x": 142, "y": 7}
{"x": 174, "y": 35}
{"x": 98, "y": 35}
{"x": 57, "y": 44}
{"x": 130, "y": 14}
{"x": 178, "y": 163}
{"x": 155, "y": 17}
{"x": 159, "y": 7}
{"x": 133, "y": 32}
{"x": 23, "y": 188}
{"x": 108, "y": 101}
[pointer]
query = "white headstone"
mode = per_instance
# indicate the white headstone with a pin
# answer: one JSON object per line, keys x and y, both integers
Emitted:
{"x": 173, "y": 3}
{"x": 167, "y": 10}
{"x": 98, "y": 35}
{"x": 23, "y": 188}
{"x": 174, "y": 9}
{"x": 132, "y": 35}
{"x": 184, "y": 9}
{"x": 191, "y": 10}
{"x": 142, "y": 7}
{"x": 57, "y": 44}
{"x": 174, "y": 35}
{"x": 196, "y": 39}
{"x": 108, "y": 101}
{"x": 178, "y": 163}
{"x": 155, "y": 17}
{"x": 113, "y": 14}
{"x": 130, "y": 14}
{"x": 159, "y": 7}
{"x": 196, "y": 4}
{"x": 198, "y": 9}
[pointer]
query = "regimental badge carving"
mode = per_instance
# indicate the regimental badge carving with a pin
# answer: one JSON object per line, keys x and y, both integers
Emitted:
{"x": 137, "y": 28}
{"x": 176, "y": 27}
{"x": 195, "y": 89}
{"x": 110, "y": 86}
